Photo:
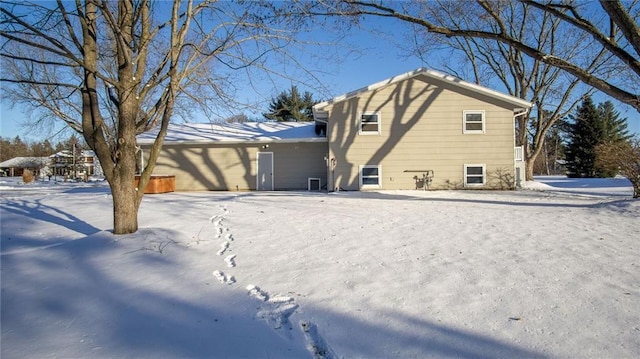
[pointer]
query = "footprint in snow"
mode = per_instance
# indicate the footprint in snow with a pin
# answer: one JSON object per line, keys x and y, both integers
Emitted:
{"x": 223, "y": 278}
{"x": 223, "y": 248}
{"x": 278, "y": 317}
{"x": 316, "y": 345}
{"x": 257, "y": 293}
{"x": 231, "y": 261}
{"x": 276, "y": 310}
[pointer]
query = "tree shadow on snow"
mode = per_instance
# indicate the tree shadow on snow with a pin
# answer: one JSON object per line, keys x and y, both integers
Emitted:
{"x": 414, "y": 338}
{"x": 71, "y": 301}
{"x": 554, "y": 199}
{"x": 16, "y": 231}
{"x": 127, "y": 296}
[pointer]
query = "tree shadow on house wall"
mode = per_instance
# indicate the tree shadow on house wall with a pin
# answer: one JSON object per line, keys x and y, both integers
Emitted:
{"x": 402, "y": 96}
{"x": 208, "y": 174}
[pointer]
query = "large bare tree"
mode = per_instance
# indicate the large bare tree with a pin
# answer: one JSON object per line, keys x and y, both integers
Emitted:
{"x": 489, "y": 62}
{"x": 114, "y": 69}
{"x": 613, "y": 24}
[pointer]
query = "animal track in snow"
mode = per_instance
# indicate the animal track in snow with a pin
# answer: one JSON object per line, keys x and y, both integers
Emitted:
{"x": 223, "y": 278}
{"x": 278, "y": 317}
{"x": 223, "y": 248}
{"x": 257, "y": 293}
{"x": 316, "y": 345}
{"x": 280, "y": 299}
{"x": 231, "y": 261}
{"x": 276, "y": 310}
{"x": 229, "y": 237}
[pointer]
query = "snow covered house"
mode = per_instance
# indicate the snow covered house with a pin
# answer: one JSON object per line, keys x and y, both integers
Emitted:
{"x": 39, "y": 166}
{"x": 422, "y": 129}
{"x": 241, "y": 156}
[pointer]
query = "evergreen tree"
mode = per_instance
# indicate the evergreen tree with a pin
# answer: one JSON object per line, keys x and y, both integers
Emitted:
{"x": 590, "y": 127}
{"x": 585, "y": 131}
{"x": 291, "y": 106}
{"x": 615, "y": 128}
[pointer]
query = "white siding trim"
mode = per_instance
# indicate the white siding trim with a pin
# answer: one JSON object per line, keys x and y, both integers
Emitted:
{"x": 369, "y": 113}
{"x": 473, "y": 131}
{"x": 361, "y": 177}
{"x": 467, "y": 176}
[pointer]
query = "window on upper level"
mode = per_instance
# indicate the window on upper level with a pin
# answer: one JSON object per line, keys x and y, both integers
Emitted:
{"x": 473, "y": 122}
{"x": 369, "y": 123}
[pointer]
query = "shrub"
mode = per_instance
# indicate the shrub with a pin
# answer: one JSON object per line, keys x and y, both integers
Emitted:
{"x": 27, "y": 176}
{"x": 623, "y": 158}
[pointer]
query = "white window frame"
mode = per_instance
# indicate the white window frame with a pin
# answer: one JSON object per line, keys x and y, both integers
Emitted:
{"x": 361, "y": 177}
{"x": 360, "y": 123}
{"x": 464, "y": 121}
{"x": 466, "y": 175}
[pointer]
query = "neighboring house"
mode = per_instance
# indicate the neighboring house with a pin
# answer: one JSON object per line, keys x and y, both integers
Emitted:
{"x": 240, "y": 156}
{"x": 84, "y": 164}
{"x": 422, "y": 129}
{"x": 39, "y": 166}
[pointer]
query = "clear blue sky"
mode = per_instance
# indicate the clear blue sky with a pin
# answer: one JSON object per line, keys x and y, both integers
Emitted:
{"x": 377, "y": 59}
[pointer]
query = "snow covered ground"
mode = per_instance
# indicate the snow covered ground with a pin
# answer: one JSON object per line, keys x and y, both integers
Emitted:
{"x": 552, "y": 271}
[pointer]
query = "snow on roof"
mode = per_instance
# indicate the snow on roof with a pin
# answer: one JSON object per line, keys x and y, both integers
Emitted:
{"x": 428, "y": 73}
{"x": 25, "y": 162}
{"x": 67, "y": 154}
{"x": 236, "y": 133}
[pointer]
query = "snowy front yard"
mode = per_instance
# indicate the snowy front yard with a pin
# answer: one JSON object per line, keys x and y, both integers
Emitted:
{"x": 553, "y": 271}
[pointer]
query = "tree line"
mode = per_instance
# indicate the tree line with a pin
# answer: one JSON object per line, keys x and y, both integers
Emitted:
{"x": 16, "y": 147}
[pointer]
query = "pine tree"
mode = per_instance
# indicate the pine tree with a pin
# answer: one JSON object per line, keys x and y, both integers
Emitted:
{"x": 585, "y": 131}
{"x": 291, "y": 106}
{"x": 615, "y": 128}
{"x": 590, "y": 127}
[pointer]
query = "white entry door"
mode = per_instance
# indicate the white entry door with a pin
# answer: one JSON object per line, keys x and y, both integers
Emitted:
{"x": 265, "y": 171}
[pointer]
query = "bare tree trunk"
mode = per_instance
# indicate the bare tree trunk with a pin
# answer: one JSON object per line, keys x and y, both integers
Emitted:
{"x": 125, "y": 206}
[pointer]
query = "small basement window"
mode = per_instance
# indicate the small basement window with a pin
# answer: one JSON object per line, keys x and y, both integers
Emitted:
{"x": 473, "y": 122}
{"x": 474, "y": 175}
{"x": 370, "y": 176}
{"x": 313, "y": 184}
{"x": 369, "y": 123}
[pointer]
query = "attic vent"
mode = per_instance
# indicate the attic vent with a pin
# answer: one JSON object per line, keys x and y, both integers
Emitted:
{"x": 313, "y": 184}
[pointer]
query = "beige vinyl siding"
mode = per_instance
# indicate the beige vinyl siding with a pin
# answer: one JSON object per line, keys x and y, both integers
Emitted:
{"x": 223, "y": 167}
{"x": 293, "y": 164}
{"x": 421, "y": 129}
{"x": 209, "y": 166}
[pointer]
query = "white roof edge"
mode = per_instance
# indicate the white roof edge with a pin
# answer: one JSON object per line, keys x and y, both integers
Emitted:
{"x": 430, "y": 73}
{"x": 235, "y": 142}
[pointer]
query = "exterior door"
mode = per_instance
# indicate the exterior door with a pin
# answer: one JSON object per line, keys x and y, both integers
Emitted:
{"x": 265, "y": 171}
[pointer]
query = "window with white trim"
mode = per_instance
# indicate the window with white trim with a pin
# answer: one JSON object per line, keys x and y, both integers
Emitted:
{"x": 370, "y": 176}
{"x": 473, "y": 122}
{"x": 369, "y": 123}
{"x": 474, "y": 175}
